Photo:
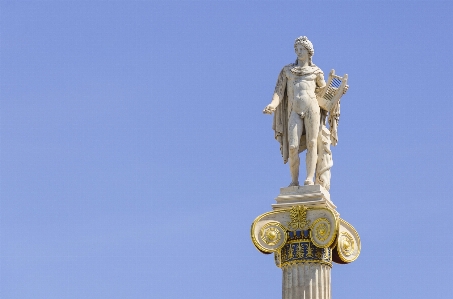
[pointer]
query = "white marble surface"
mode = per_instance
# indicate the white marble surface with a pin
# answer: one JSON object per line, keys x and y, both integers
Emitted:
{"x": 312, "y": 196}
{"x": 306, "y": 281}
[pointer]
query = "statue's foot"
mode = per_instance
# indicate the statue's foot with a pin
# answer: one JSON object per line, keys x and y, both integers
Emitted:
{"x": 308, "y": 182}
{"x": 296, "y": 183}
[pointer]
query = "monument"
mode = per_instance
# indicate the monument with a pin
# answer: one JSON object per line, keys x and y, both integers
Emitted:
{"x": 304, "y": 230}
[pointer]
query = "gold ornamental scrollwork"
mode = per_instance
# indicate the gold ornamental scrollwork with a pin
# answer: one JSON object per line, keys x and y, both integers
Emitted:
{"x": 268, "y": 233}
{"x": 271, "y": 234}
{"x": 270, "y": 237}
{"x": 346, "y": 243}
{"x": 322, "y": 232}
{"x": 299, "y": 220}
{"x": 322, "y": 229}
{"x": 303, "y": 251}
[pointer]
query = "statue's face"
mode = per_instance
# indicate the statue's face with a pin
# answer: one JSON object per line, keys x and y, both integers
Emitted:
{"x": 301, "y": 52}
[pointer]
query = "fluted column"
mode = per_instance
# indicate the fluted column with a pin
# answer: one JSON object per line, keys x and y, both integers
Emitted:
{"x": 306, "y": 281}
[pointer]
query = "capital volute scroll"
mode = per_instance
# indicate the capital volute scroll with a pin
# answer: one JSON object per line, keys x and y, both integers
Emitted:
{"x": 348, "y": 244}
{"x": 270, "y": 230}
{"x": 324, "y": 228}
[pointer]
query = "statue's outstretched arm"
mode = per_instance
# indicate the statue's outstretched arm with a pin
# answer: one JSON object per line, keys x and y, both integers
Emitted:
{"x": 273, "y": 105}
{"x": 278, "y": 93}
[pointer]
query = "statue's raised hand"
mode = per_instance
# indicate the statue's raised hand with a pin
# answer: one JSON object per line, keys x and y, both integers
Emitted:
{"x": 269, "y": 109}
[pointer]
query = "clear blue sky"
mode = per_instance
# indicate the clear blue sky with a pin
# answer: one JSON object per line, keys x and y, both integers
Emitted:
{"x": 134, "y": 154}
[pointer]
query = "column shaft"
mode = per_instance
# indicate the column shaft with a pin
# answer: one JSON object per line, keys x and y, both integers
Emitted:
{"x": 306, "y": 281}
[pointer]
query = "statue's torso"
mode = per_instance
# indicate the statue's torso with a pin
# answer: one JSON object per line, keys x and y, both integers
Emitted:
{"x": 301, "y": 91}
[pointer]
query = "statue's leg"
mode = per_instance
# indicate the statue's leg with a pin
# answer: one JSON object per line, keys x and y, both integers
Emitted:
{"x": 312, "y": 121}
{"x": 294, "y": 133}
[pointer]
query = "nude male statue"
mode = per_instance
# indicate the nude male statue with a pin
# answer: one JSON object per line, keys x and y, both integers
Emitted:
{"x": 297, "y": 112}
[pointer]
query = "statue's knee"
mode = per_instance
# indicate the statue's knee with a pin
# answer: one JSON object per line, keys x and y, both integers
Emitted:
{"x": 311, "y": 144}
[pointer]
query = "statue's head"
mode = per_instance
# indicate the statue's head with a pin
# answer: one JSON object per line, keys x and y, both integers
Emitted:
{"x": 303, "y": 41}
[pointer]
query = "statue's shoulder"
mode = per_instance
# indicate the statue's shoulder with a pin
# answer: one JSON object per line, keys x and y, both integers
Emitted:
{"x": 316, "y": 69}
{"x": 287, "y": 68}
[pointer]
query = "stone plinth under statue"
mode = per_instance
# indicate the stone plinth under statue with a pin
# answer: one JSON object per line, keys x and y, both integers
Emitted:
{"x": 306, "y": 234}
{"x": 310, "y": 196}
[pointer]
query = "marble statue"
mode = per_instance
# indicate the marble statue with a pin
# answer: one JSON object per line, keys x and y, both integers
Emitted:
{"x": 299, "y": 121}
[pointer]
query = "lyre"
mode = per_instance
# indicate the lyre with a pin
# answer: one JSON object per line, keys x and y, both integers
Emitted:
{"x": 335, "y": 88}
